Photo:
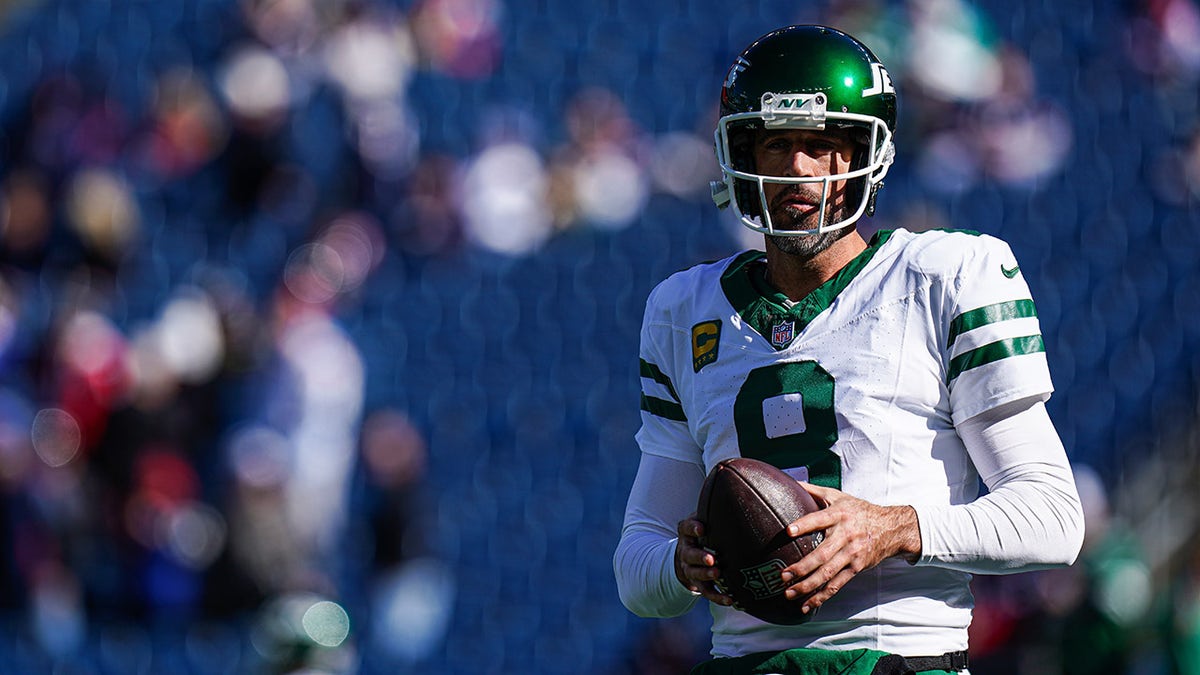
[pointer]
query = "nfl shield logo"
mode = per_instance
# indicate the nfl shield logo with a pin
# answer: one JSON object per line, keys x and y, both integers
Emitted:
{"x": 764, "y": 580}
{"x": 782, "y": 333}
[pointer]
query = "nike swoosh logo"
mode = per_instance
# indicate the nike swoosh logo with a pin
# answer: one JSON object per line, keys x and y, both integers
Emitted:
{"x": 1010, "y": 273}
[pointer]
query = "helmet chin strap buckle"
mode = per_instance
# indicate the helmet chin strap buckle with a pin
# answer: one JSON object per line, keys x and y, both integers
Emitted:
{"x": 870, "y": 210}
{"x": 720, "y": 193}
{"x": 796, "y": 111}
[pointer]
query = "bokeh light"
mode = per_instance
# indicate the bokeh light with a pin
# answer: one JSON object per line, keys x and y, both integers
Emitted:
{"x": 56, "y": 437}
{"x": 326, "y": 623}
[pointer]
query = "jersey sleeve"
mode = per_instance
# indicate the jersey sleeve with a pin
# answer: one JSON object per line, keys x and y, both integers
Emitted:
{"x": 1031, "y": 518}
{"x": 993, "y": 348}
{"x": 669, "y": 474}
{"x": 664, "y": 431}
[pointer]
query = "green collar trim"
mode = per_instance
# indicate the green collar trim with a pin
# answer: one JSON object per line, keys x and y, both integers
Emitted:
{"x": 766, "y": 310}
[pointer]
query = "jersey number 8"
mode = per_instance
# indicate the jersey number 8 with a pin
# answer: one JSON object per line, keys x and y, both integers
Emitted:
{"x": 784, "y": 416}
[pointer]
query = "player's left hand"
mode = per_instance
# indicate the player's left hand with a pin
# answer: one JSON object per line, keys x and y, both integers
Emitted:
{"x": 858, "y": 536}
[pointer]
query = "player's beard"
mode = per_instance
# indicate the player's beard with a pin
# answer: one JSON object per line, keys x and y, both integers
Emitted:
{"x": 806, "y": 245}
{"x": 794, "y": 218}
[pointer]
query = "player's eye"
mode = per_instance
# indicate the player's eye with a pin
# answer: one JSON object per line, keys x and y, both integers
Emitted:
{"x": 821, "y": 147}
{"x": 778, "y": 145}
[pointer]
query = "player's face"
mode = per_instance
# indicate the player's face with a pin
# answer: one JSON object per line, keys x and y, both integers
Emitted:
{"x": 803, "y": 153}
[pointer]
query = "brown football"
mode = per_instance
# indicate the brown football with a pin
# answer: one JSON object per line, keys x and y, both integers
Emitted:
{"x": 746, "y": 506}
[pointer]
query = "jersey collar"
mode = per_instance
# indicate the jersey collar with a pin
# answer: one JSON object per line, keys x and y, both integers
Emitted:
{"x": 768, "y": 311}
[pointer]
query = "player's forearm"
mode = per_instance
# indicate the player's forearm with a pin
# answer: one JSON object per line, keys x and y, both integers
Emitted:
{"x": 663, "y": 492}
{"x": 644, "y": 565}
{"x": 1031, "y": 518}
{"x": 1022, "y": 526}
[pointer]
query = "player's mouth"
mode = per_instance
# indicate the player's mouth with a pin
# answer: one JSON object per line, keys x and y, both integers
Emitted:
{"x": 797, "y": 198}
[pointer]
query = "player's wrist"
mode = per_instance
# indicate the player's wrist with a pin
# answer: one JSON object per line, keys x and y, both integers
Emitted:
{"x": 677, "y": 566}
{"x": 907, "y": 532}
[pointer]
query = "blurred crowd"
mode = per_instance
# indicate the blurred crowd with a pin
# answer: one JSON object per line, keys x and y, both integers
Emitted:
{"x": 234, "y": 241}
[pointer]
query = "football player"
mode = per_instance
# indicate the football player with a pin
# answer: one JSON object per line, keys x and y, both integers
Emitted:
{"x": 887, "y": 375}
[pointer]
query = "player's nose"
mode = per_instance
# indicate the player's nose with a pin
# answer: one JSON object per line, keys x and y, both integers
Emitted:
{"x": 801, "y": 165}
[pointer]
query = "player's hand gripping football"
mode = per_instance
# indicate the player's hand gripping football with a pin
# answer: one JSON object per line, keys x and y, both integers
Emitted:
{"x": 858, "y": 536}
{"x": 696, "y": 566}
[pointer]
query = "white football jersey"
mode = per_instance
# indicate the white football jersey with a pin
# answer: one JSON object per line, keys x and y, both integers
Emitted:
{"x": 858, "y": 386}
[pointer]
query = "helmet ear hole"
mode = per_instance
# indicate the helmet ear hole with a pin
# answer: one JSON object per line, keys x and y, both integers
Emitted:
{"x": 747, "y": 197}
{"x": 741, "y": 157}
{"x": 855, "y": 187}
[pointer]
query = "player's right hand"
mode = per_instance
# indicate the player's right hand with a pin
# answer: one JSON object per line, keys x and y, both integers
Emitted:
{"x": 695, "y": 566}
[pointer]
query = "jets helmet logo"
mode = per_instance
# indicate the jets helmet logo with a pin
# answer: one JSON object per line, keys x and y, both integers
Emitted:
{"x": 881, "y": 82}
{"x": 738, "y": 66}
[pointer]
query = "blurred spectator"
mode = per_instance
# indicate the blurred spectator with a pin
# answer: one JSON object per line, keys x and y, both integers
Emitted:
{"x": 504, "y": 199}
{"x": 952, "y": 51}
{"x": 291, "y": 28}
{"x": 25, "y": 216}
{"x": 881, "y": 24}
{"x": 459, "y": 37}
{"x": 597, "y": 174}
{"x": 313, "y": 398}
{"x": 371, "y": 58}
{"x": 411, "y": 591}
{"x": 92, "y": 377}
{"x": 188, "y": 130}
{"x": 981, "y": 109}
{"x": 1022, "y": 139}
{"x": 1164, "y": 40}
{"x": 395, "y": 461}
{"x": 682, "y": 164}
{"x": 1101, "y": 608}
{"x": 427, "y": 220}
{"x": 255, "y": 85}
{"x": 103, "y": 213}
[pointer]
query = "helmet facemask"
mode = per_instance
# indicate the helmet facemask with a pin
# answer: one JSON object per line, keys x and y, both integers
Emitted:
{"x": 744, "y": 188}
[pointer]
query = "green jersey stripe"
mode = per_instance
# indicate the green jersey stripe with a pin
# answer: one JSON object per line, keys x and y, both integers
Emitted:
{"x": 661, "y": 408}
{"x": 655, "y": 373}
{"x": 1001, "y": 311}
{"x": 1000, "y": 349}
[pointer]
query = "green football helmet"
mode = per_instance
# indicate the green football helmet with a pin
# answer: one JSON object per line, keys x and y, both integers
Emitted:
{"x": 804, "y": 77}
